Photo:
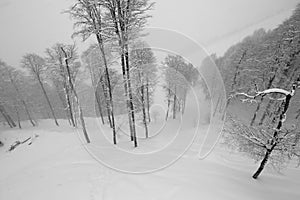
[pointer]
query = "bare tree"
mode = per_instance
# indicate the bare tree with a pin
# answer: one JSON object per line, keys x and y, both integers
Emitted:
{"x": 36, "y": 65}
{"x": 5, "y": 94}
{"x": 143, "y": 69}
{"x": 14, "y": 77}
{"x": 127, "y": 18}
{"x": 109, "y": 21}
{"x": 57, "y": 71}
{"x": 89, "y": 21}
{"x": 6, "y": 116}
{"x": 96, "y": 69}
{"x": 276, "y": 138}
{"x": 68, "y": 56}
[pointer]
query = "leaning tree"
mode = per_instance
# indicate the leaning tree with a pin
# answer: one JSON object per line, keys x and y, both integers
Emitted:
{"x": 16, "y": 79}
{"x": 37, "y": 66}
{"x": 5, "y": 95}
{"x": 70, "y": 54}
{"x": 57, "y": 73}
{"x": 278, "y": 141}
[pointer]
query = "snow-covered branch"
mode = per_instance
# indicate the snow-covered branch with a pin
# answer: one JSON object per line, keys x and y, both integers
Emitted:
{"x": 252, "y": 98}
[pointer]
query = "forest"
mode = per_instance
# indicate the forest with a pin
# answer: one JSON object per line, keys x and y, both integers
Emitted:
{"x": 144, "y": 101}
{"x": 261, "y": 75}
{"x": 118, "y": 69}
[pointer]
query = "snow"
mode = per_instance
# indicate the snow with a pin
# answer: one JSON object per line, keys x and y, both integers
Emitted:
{"x": 57, "y": 166}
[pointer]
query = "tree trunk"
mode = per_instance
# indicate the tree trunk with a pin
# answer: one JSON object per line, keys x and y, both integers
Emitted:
{"x": 76, "y": 98}
{"x": 126, "y": 96}
{"x": 271, "y": 102}
{"x": 148, "y": 100}
{"x": 82, "y": 121}
{"x": 262, "y": 164}
{"x": 69, "y": 104}
{"x": 118, "y": 24}
{"x": 112, "y": 110}
{"x": 174, "y": 104}
{"x": 64, "y": 104}
{"x": 265, "y": 112}
{"x": 130, "y": 95}
{"x": 226, "y": 106}
{"x": 235, "y": 77}
{"x": 28, "y": 113}
{"x": 256, "y": 111}
{"x": 74, "y": 112}
{"x": 107, "y": 102}
{"x": 18, "y": 117}
{"x": 237, "y": 70}
{"x": 11, "y": 120}
{"x": 298, "y": 115}
{"x": 81, "y": 116}
{"x": 110, "y": 100}
{"x": 261, "y": 101}
{"x": 96, "y": 85}
{"x": 282, "y": 117}
{"x": 7, "y": 117}
{"x": 48, "y": 101}
{"x": 121, "y": 22}
{"x": 183, "y": 103}
{"x": 22, "y": 100}
{"x": 179, "y": 105}
{"x": 144, "y": 109}
{"x": 99, "y": 105}
{"x": 169, "y": 102}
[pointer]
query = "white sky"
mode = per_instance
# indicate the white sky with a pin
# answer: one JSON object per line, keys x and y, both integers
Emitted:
{"x": 33, "y": 25}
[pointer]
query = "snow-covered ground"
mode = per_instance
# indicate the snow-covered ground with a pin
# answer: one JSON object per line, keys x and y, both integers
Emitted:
{"x": 57, "y": 166}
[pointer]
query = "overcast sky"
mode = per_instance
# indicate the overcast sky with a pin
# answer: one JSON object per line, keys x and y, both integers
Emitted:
{"x": 33, "y": 25}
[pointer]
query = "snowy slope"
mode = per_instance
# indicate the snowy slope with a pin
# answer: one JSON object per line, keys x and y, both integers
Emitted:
{"x": 56, "y": 166}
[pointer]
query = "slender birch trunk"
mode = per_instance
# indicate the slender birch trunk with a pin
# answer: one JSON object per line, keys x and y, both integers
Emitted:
{"x": 69, "y": 104}
{"x": 18, "y": 117}
{"x": 148, "y": 100}
{"x": 72, "y": 88}
{"x": 99, "y": 106}
{"x": 22, "y": 100}
{"x": 107, "y": 102}
{"x": 7, "y": 117}
{"x": 48, "y": 100}
{"x": 142, "y": 90}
